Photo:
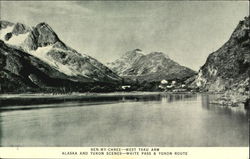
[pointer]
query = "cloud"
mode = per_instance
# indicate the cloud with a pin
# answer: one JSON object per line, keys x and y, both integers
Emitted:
{"x": 43, "y": 9}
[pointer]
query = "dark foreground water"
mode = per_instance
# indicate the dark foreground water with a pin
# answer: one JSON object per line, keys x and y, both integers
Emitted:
{"x": 152, "y": 120}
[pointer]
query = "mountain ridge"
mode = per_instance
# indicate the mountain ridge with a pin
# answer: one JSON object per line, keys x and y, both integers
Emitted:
{"x": 227, "y": 70}
{"x": 230, "y": 60}
{"x": 42, "y": 42}
{"x": 154, "y": 66}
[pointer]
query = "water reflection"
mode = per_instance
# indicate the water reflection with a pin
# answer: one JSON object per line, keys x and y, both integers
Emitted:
{"x": 129, "y": 120}
{"x": 8, "y": 104}
{"x": 177, "y": 97}
{"x": 240, "y": 110}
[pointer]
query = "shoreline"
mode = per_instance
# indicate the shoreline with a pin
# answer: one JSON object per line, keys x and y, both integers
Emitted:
{"x": 11, "y": 100}
{"x": 26, "y": 99}
{"x": 88, "y": 94}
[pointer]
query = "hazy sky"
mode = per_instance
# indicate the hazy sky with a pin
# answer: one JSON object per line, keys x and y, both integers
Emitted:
{"x": 188, "y": 31}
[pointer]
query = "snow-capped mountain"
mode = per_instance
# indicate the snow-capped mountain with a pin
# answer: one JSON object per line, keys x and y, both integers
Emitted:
{"x": 43, "y": 43}
{"x": 154, "y": 66}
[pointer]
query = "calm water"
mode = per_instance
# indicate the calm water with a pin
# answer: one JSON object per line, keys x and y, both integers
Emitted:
{"x": 166, "y": 120}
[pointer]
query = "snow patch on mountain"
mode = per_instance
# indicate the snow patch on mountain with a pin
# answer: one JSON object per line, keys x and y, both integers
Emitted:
{"x": 41, "y": 53}
{"x": 4, "y": 31}
{"x": 43, "y": 50}
{"x": 18, "y": 39}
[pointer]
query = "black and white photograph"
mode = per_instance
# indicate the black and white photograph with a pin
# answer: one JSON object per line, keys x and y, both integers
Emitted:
{"x": 124, "y": 74}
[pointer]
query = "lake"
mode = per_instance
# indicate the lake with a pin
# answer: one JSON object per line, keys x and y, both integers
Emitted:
{"x": 145, "y": 120}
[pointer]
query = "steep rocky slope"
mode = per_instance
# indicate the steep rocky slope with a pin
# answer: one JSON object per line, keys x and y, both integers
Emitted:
{"x": 154, "y": 66}
{"x": 21, "y": 72}
{"x": 42, "y": 42}
{"x": 228, "y": 68}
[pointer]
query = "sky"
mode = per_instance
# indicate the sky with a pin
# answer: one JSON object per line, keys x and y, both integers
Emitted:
{"x": 187, "y": 31}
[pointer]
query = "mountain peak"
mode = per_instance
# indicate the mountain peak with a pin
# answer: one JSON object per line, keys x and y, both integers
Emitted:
{"x": 160, "y": 54}
{"x": 44, "y": 25}
{"x": 20, "y": 28}
{"x": 133, "y": 54}
{"x": 4, "y": 24}
{"x": 241, "y": 31}
{"x": 154, "y": 66}
{"x": 246, "y": 21}
{"x": 17, "y": 34}
{"x": 137, "y": 50}
{"x": 45, "y": 34}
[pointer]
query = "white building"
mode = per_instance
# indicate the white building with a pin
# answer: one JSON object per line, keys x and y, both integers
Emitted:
{"x": 164, "y": 82}
{"x": 126, "y": 86}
